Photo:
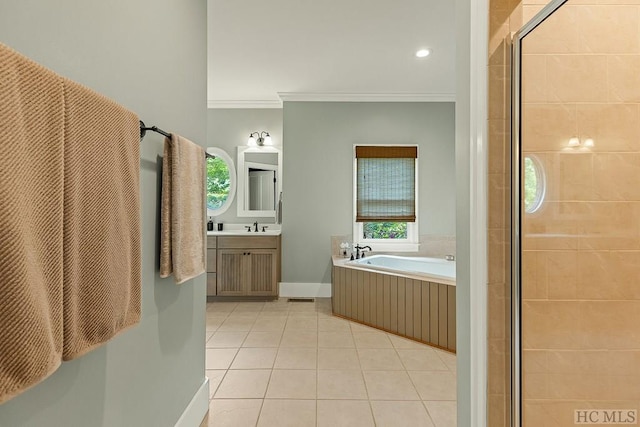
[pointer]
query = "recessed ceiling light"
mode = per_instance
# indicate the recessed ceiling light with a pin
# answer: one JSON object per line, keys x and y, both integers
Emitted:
{"x": 423, "y": 53}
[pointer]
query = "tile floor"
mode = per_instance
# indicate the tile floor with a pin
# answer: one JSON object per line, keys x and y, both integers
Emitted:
{"x": 294, "y": 364}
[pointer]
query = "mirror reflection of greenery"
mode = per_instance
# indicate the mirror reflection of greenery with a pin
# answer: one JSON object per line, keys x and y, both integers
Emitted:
{"x": 530, "y": 184}
{"x": 384, "y": 230}
{"x": 218, "y": 182}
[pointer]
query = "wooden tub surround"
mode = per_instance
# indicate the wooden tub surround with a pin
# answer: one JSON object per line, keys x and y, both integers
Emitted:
{"x": 417, "y": 309}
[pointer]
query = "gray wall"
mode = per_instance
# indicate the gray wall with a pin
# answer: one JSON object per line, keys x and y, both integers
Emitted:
{"x": 150, "y": 57}
{"x": 230, "y": 128}
{"x": 318, "y": 173}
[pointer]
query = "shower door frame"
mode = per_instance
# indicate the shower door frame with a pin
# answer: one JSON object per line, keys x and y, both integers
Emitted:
{"x": 516, "y": 208}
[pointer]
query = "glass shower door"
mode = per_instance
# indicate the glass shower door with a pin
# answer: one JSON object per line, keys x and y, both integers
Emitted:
{"x": 577, "y": 216}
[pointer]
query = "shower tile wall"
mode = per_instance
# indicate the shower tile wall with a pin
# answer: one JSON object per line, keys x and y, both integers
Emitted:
{"x": 581, "y": 250}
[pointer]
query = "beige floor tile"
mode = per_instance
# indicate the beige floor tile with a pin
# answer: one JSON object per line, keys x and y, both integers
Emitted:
{"x": 208, "y": 335}
{"x": 333, "y": 324}
{"x": 302, "y": 314}
{"x": 215, "y": 378}
{"x": 400, "y": 342}
{"x": 221, "y": 307}
{"x": 421, "y": 360}
{"x": 226, "y": 339}
{"x": 213, "y": 323}
{"x": 269, "y": 323}
{"x": 335, "y": 339}
{"x": 341, "y": 384}
{"x": 254, "y": 358}
{"x": 379, "y": 359}
{"x": 344, "y": 413}
{"x": 449, "y": 359}
{"x": 249, "y": 307}
{"x": 389, "y": 385}
{"x": 263, "y": 339}
{"x": 309, "y": 307}
{"x": 357, "y": 327}
{"x": 443, "y": 413}
{"x": 241, "y": 384}
{"x": 234, "y": 412}
{"x": 292, "y": 384}
{"x": 301, "y": 323}
{"x": 372, "y": 340}
{"x": 296, "y": 358}
{"x": 299, "y": 339}
{"x": 287, "y": 413}
{"x": 338, "y": 358}
{"x": 395, "y": 413}
{"x": 237, "y": 324}
{"x": 434, "y": 385}
{"x": 219, "y": 358}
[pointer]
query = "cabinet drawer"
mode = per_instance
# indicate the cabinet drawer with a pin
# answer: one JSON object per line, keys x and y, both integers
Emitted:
{"x": 211, "y": 241}
{"x": 211, "y": 284}
{"x": 211, "y": 260}
{"x": 249, "y": 242}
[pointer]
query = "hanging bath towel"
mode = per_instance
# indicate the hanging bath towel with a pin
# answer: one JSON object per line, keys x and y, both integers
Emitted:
{"x": 183, "y": 238}
{"x": 31, "y": 209}
{"x": 102, "y": 260}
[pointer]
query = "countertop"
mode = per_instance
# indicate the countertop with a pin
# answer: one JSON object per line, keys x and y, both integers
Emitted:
{"x": 240, "y": 230}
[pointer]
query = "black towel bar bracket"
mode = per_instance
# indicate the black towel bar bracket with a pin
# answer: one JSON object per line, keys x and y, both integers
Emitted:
{"x": 144, "y": 129}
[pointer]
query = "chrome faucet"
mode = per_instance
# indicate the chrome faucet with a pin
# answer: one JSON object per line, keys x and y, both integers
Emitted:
{"x": 255, "y": 224}
{"x": 450, "y": 257}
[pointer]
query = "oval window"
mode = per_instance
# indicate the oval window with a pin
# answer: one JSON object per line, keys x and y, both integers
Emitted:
{"x": 221, "y": 181}
{"x": 534, "y": 184}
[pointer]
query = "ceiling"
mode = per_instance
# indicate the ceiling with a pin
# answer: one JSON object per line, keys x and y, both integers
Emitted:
{"x": 262, "y": 52}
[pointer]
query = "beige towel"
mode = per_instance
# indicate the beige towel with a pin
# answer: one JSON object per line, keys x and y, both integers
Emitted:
{"x": 183, "y": 244}
{"x": 31, "y": 182}
{"x": 101, "y": 220}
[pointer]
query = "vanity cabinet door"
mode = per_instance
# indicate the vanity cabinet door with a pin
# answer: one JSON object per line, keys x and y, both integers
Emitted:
{"x": 233, "y": 266}
{"x": 263, "y": 270}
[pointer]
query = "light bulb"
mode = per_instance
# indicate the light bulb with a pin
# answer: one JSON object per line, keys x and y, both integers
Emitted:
{"x": 267, "y": 140}
{"x": 423, "y": 53}
{"x": 589, "y": 142}
{"x": 252, "y": 141}
{"x": 574, "y": 142}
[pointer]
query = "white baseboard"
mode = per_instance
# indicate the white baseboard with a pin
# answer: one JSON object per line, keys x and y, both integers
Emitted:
{"x": 196, "y": 409}
{"x": 305, "y": 290}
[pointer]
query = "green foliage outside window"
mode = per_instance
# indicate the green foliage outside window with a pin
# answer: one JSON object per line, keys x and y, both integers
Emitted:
{"x": 218, "y": 182}
{"x": 531, "y": 193}
{"x": 384, "y": 230}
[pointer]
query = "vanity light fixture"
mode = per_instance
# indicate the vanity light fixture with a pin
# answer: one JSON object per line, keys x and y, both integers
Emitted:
{"x": 423, "y": 53}
{"x": 260, "y": 139}
{"x": 574, "y": 141}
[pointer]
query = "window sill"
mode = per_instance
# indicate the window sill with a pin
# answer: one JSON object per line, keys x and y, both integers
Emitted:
{"x": 391, "y": 247}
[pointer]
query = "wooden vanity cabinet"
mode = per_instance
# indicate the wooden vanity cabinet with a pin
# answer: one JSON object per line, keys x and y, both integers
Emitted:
{"x": 248, "y": 266}
{"x": 211, "y": 266}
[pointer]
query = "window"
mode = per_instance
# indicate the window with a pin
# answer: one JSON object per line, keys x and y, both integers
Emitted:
{"x": 534, "y": 184}
{"x": 385, "y": 181}
{"x": 221, "y": 181}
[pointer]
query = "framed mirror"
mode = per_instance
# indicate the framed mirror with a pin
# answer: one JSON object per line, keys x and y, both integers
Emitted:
{"x": 259, "y": 181}
{"x": 221, "y": 181}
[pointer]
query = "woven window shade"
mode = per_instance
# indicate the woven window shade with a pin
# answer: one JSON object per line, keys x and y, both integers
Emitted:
{"x": 386, "y": 184}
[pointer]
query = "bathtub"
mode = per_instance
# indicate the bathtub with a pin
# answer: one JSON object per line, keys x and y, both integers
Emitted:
{"x": 431, "y": 269}
{"x": 408, "y": 296}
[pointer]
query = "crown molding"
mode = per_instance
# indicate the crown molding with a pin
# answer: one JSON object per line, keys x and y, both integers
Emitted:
{"x": 244, "y": 104}
{"x": 366, "y": 97}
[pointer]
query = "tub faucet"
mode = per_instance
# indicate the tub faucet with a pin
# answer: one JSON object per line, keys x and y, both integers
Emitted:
{"x": 358, "y": 248}
{"x": 450, "y": 257}
{"x": 255, "y": 224}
